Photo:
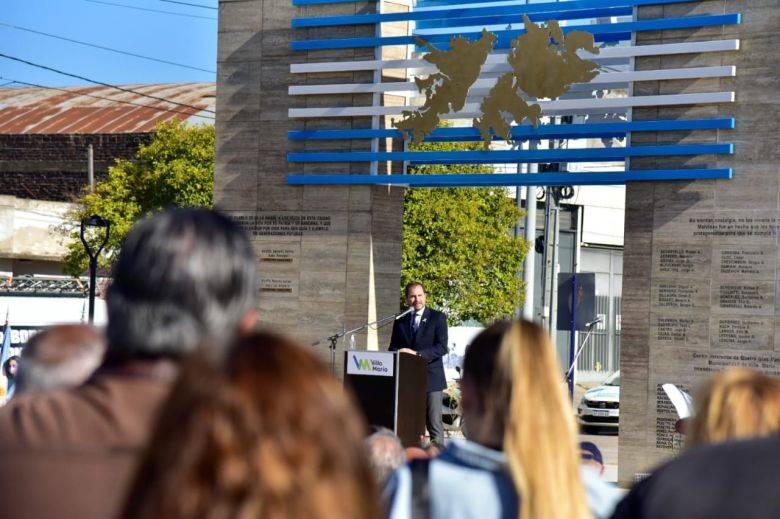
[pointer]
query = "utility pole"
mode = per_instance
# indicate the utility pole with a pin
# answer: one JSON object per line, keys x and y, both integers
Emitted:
{"x": 546, "y": 260}
{"x": 529, "y": 265}
{"x": 553, "y": 312}
{"x": 91, "y": 168}
{"x": 529, "y": 235}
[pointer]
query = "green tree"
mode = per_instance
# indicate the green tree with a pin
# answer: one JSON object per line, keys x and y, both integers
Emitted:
{"x": 175, "y": 169}
{"x": 459, "y": 243}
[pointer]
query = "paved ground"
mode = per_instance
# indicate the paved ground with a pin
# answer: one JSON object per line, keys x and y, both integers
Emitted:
{"x": 607, "y": 442}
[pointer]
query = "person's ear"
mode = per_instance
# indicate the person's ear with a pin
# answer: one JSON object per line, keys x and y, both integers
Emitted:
{"x": 248, "y": 322}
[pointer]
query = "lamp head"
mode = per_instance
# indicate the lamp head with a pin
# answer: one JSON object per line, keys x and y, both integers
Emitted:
{"x": 94, "y": 221}
{"x": 98, "y": 223}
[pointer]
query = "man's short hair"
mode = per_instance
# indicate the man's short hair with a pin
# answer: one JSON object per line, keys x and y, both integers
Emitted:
{"x": 62, "y": 356}
{"x": 385, "y": 453}
{"x": 409, "y": 286}
{"x": 184, "y": 277}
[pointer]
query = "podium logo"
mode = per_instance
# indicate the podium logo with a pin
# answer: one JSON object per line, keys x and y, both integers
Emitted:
{"x": 377, "y": 364}
{"x": 362, "y": 364}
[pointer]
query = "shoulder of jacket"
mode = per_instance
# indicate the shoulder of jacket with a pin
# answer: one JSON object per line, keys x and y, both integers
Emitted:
{"x": 35, "y": 416}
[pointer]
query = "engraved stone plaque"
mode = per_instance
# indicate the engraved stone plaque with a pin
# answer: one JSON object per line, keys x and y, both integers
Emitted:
{"x": 701, "y": 258}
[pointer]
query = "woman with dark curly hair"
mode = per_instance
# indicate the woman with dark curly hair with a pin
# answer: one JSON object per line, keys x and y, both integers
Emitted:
{"x": 270, "y": 435}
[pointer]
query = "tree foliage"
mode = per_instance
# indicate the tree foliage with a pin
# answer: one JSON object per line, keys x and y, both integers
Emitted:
{"x": 175, "y": 169}
{"x": 459, "y": 243}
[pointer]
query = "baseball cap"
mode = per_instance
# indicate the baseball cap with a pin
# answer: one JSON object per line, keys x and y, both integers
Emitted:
{"x": 589, "y": 451}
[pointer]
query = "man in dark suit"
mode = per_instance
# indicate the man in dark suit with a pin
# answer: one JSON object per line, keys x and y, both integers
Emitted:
{"x": 423, "y": 332}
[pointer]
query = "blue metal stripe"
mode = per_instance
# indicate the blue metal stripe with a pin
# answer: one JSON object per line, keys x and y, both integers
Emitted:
{"x": 584, "y": 14}
{"x": 321, "y": 2}
{"x": 490, "y": 180}
{"x": 600, "y": 31}
{"x": 442, "y": 41}
{"x": 547, "y": 131}
{"x": 454, "y": 23}
{"x": 512, "y": 156}
{"x": 453, "y": 3}
{"x": 473, "y": 12}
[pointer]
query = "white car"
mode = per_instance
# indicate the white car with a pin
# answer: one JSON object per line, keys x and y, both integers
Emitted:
{"x": 600, "y": 406}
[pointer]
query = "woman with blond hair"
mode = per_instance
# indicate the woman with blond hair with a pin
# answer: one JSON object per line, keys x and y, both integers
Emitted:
{"x": 270, "y": 434}
{"x": 737, "y": 403}
{"x": 520, "y": 458}
{"x": 717, "y": 476}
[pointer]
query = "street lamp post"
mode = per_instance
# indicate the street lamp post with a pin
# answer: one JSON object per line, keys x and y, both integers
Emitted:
{"x": 93, "y": 222}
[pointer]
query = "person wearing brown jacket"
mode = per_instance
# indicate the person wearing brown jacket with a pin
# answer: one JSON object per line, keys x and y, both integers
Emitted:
{"x": 183, "y": 278}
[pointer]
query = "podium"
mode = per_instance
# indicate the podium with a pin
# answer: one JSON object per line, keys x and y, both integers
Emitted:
{"x": 390, "y": 388}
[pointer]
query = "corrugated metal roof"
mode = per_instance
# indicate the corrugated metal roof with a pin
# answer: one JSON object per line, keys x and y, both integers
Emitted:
{"x": 41, "y": 110}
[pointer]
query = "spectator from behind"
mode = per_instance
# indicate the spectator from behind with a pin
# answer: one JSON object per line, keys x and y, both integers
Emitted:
{"x": 61, "y": 357}
{"x": 520, "y": 458}
{"x": 270, "y": 435}
{"x": 183, "y": 278}
{"x": 738, "y": 403}
{"x": 385, "y": 454}
{"x": 718, "y": 477}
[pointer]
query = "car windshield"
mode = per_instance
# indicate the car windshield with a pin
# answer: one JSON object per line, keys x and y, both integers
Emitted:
{"x": 613, "y": 380}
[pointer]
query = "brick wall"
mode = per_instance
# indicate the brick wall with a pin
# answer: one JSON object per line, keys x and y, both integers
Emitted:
{"x": 54, "y": 166}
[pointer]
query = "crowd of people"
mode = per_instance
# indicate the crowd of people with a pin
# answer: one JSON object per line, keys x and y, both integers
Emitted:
{"x": 183, "y": 408}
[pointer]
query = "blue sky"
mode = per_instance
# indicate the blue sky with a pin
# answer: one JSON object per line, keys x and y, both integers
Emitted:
{"x": 191, "y": 41}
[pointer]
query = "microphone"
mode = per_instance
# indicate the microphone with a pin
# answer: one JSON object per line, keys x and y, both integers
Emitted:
{"x": 597, "y": 320}
{"x": 405, "y": 312}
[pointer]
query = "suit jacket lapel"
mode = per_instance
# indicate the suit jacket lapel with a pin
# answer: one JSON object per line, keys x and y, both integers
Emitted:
{"x": 406, "y": 324}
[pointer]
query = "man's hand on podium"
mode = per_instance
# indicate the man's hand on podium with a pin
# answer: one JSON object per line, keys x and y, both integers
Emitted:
{"x": 408, "y": 350}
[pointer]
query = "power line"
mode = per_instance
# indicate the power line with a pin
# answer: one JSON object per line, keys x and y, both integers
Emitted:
{"x": 44, "y": 67}
{"x": 6, "y": 84}
{"x": 193, "y": 5}
{"x": 84, "y": 94}
{"x": 127, "y": 53}
{"x": 151, "y": 10}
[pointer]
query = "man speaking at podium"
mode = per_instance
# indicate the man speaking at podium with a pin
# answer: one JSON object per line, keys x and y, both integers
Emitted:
{"x": 423, "y": 332}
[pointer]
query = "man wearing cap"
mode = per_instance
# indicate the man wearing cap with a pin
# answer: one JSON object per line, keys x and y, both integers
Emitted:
{"x": 602, "y": 497}
{"x": 591, "y": 457}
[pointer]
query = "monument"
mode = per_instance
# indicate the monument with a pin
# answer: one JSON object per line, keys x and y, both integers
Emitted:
{"x": 700, "y": 278}
{"x": 314, "y": 98}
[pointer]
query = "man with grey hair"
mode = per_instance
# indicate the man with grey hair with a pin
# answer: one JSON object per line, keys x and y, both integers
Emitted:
{"x": 385, "y": 454}
{"x": 60, "y": 357}
{"x": 184, "y": 281}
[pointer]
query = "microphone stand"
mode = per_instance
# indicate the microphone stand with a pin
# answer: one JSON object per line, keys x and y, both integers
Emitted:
{"x": 569, "y": 372}
{"x": 334, "y": 339}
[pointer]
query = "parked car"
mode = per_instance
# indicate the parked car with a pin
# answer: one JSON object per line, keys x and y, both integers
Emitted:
{"x": 600, "y": 406}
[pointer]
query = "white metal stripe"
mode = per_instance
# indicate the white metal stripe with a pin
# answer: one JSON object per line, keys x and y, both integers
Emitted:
{"x": 409, "y": 88}
{"x": 500, "y": 58}
{"x": 472, "y": 109}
